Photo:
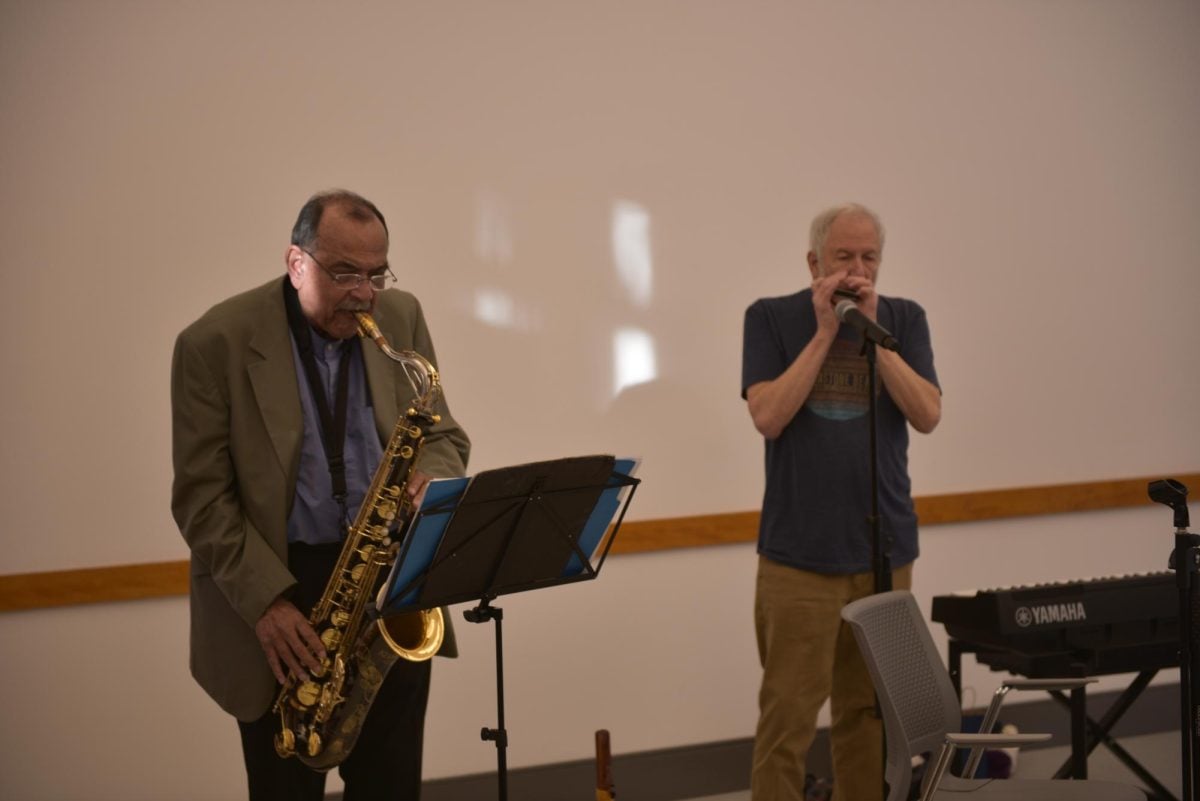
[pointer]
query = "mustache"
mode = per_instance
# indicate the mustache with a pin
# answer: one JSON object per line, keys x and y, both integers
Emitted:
{"x": 354, "y": 305}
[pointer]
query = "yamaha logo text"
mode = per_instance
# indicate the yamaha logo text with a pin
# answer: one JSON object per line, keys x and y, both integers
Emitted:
{"x": 1050, "y": 613}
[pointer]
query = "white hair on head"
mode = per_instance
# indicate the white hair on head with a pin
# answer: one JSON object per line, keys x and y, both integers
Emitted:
{"x": 821, "y": 224}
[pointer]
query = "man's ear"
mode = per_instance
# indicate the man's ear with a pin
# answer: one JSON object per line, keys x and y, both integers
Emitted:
{"x": 814, "y": 265}
{"x": 293, "y": 257}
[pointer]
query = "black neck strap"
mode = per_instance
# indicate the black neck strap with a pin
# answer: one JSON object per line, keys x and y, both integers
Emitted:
{"x": 332, "y": 425}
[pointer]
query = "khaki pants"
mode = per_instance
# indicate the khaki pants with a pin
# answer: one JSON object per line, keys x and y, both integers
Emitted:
{"x": 808, "y": 654}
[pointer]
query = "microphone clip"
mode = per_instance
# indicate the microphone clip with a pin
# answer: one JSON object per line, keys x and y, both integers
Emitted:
{"x": 848, "y": 312}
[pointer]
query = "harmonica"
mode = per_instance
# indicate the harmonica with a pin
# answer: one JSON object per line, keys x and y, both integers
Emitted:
{"x": 846, "y": 293}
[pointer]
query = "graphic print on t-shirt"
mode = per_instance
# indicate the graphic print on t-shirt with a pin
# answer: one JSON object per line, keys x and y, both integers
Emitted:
{"x": 840, "y": 391}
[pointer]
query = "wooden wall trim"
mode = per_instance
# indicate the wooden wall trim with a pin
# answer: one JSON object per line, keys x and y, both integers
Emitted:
{"x": 162, "y": 579}
{"x": 92, "y": 585}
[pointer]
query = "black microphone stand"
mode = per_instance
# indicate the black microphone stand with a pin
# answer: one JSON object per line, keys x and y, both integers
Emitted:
{"x": 880, "y": 558}
{"x": 873, "y": 335}
{"x": 1185, "y": 561}
{"x": 881, "y": 564}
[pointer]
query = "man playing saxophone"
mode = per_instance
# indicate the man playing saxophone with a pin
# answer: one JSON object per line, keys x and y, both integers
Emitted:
{"x": 280, "y": 417}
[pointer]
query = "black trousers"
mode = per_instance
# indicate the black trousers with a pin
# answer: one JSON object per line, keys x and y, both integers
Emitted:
{"x": 385, "y": 764}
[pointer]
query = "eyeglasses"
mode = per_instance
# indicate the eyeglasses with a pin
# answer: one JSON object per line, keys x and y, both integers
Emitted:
{"x": 352, "y": 281}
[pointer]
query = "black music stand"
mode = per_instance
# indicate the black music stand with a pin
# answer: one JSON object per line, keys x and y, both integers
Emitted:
{"x": 510, "y": 530}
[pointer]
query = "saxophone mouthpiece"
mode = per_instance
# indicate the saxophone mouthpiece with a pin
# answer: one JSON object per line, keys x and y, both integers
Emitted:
{"x": 368, "y": 328}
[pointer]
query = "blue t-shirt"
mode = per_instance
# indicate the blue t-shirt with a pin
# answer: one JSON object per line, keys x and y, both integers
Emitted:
{"x": 818, "y": 491}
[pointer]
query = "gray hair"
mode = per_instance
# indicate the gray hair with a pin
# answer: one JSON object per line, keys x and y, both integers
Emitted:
{"x": 821, "y": 224}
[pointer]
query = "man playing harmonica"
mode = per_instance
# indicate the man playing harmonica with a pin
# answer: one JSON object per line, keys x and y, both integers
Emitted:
{"x": 805, "y": 380}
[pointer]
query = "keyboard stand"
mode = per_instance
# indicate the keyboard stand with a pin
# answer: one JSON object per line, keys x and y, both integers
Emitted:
{"x": 1098, "y": 732}
{"x": 1086, "y": 733}
{"x": 1077, "y": 763}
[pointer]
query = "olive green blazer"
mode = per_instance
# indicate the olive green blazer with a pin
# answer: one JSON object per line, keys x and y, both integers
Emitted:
{"x": 237, "y": 427}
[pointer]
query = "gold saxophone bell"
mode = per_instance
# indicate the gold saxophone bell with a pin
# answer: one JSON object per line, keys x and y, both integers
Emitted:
{"x": 415, "y": 636}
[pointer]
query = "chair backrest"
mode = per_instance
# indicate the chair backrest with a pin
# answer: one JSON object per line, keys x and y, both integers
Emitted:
{"x": 915, "y": 695}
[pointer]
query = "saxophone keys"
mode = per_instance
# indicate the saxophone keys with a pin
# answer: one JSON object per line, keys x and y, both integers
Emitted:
{"x": 386, "y": 509}
{"x": 330, "y": 698}
{"x": 406, "y": 452}
{"x": 314, "y": 744}
{"x": 285, "y": 743}
{"x": 331, "y": 638}
{"x": 308, "y": 693}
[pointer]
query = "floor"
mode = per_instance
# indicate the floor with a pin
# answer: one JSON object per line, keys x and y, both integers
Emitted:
{"x": 1158, "y": 753}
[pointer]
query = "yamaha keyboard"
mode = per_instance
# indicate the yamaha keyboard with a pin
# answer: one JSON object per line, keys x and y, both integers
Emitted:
{"x": 1088, "y": 627}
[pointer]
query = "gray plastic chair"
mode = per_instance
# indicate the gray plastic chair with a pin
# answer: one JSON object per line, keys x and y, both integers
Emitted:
{"x": 921, "y": 713}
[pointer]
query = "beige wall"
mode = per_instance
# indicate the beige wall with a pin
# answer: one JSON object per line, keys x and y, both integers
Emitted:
{"x": 554, "y": 173}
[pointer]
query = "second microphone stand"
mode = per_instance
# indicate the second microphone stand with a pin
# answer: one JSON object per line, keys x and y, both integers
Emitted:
{"x": 1185, "y": 561}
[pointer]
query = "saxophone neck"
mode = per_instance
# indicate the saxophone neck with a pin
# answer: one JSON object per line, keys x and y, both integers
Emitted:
{"x": 421, "y": 374}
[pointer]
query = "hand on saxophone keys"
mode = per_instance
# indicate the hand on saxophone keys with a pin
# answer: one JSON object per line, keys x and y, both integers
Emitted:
{"x": 289, "y": 641}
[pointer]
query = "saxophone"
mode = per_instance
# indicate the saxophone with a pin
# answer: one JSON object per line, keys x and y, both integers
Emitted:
{"x": 325, "y": 714}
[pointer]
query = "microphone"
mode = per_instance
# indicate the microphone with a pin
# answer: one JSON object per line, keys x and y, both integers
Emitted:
{"x": 847, "y": 312}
